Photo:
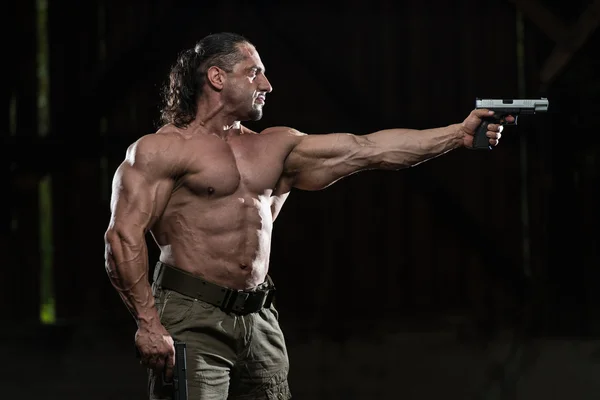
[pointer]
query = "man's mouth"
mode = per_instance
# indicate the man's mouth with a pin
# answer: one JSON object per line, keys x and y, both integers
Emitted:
{"x": 260, "y": 100}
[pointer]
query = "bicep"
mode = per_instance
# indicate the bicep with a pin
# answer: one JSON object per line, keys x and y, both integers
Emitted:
{"x": 136, "y": 201}
{"x": 317, "y": 161}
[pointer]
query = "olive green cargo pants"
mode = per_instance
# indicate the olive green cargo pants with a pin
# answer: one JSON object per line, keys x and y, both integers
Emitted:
{"x": 229, "y": 356}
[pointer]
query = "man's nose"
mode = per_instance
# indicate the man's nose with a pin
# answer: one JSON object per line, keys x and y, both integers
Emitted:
{"x": 265, "y": 85}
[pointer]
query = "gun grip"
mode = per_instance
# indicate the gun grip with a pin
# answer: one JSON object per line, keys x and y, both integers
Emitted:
{"x": 480, "y": 141}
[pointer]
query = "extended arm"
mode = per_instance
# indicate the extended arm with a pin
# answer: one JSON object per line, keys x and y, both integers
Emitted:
{"x": 317, "y": 161}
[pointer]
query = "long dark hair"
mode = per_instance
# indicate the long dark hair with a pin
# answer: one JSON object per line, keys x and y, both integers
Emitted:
{"x": 187, "y": 76}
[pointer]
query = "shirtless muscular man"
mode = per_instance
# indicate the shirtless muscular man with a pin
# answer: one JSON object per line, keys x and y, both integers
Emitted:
{"x": 208, "y": 189}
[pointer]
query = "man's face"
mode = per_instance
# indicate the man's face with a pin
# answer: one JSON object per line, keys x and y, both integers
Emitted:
{"x": 247, "y": 85}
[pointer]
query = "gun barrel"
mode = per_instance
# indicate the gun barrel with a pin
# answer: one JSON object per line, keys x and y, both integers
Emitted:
{"x": 536, "y": 105}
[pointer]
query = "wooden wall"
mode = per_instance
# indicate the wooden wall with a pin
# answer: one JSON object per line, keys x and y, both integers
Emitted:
{"x": 444, "y": 238}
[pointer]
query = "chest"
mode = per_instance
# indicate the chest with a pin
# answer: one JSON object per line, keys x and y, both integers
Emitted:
{"x": 221, "y": 168}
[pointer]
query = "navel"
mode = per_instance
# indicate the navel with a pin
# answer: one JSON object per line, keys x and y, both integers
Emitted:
{"x": 243, "y": 266}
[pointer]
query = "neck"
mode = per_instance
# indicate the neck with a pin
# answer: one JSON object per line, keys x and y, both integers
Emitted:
{"x": 215, "y": 120}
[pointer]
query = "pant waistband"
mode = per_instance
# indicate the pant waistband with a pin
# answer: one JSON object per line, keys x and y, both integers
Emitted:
{"x": 229, "y": 300}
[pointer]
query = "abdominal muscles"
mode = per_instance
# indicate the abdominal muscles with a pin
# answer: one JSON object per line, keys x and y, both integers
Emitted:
{"x": 226, "y": 241}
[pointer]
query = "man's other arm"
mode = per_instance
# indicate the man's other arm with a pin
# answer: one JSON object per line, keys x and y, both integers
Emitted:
{"x": 141, "y": 189}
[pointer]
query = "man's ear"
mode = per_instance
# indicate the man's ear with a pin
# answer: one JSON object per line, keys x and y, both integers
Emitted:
{"x": 216, "y": 77}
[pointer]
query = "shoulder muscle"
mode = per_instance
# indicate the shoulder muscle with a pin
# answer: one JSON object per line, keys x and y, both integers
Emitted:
{"x": 143, "y": 182}
{"x": 283, "y": 131}
{"x": 154, "y": 155}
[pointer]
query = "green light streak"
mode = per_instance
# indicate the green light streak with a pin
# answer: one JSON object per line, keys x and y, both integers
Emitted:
{"x": 47, "y": 306}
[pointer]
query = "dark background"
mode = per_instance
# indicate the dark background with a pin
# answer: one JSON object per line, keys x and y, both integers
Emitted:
{"x": 472, "y": 276}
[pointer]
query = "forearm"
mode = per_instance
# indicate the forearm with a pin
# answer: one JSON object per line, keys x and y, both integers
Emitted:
{"x": 401, "y": 148}
{"x": 127, "y": 269}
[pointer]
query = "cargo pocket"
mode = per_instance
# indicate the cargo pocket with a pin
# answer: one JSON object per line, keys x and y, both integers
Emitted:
{"x": 278, "y": 388}
{"x": 175, "y": 308}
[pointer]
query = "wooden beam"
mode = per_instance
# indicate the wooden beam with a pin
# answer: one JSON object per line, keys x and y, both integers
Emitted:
{"x": 548, "y": 23}
{"x": 571, "y": 43}
{"x": 568, "y": 40}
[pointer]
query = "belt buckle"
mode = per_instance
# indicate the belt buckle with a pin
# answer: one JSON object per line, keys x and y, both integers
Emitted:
{"x": 235, "y": 300}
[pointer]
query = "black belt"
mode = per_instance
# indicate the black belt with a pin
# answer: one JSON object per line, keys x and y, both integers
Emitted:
{"x": 238, "y": 301}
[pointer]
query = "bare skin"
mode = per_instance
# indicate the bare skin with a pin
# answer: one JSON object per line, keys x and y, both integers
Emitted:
{"x": 209, "y": 193}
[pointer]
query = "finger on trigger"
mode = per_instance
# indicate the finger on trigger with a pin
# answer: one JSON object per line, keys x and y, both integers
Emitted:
{"x": 170, "y": 364}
